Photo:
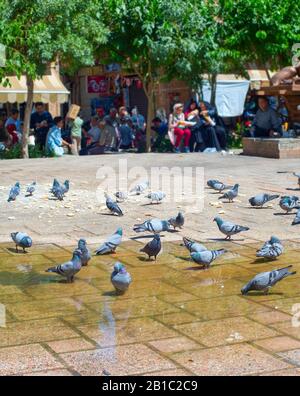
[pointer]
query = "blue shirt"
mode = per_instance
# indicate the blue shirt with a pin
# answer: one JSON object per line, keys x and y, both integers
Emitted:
{"x": 17, "y": 123}
{"x": 126, "y": 135}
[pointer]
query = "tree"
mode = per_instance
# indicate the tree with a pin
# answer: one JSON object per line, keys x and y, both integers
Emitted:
{"x": 153, "y": 38}
{"x": 35, "y": 33}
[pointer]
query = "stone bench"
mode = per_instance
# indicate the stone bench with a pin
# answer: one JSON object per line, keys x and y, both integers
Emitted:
{"x": 272, "y": 148}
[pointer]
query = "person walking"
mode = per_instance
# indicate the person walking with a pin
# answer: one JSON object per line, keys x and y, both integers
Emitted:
{"x": 76, "y": 134}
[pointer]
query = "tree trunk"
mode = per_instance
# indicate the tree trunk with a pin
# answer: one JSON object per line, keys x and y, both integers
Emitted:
{"x": 213, "y": 84}
{"x": 150, "y": 116}
{"x": 28, "y": 109}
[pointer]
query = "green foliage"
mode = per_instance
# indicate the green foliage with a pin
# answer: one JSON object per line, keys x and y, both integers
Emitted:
{"x": 16, "y": 152}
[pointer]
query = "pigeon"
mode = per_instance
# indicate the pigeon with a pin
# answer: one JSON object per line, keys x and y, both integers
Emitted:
{"x": 153, "y": 247}
{"x": 228, "y": 228}
{"x": 206, "y": 257}
{"x": 121, "y": 196}
{"x": 113, "y": 206}
{"x": 265, "y": 280}
{"x": 271, "y": 249}
{"x": 111, "y": 244}
{"x": 66, "y": 187}
{"x": 231, "y": 194}
{"x": 260, "y": 199}
{"x": 54, "y": 185}
{"x": 297, "y": 175}
{"x": 217, "y": 185}
{"x": 288, "y": 203}
{"x": 139, "y": 188}
{"x": 157, "y": 196}
{"x": 120, "y": 278}
{"x": 193, "y": 246}
{"x": 153, "y": 225}
{"x": 69, "y": 269}
{"x": 31, "y": 189}
{"x": 14, "y": 192}
{"x": 21, "y": 239}
{"x": 86, "y": 254}
{"x": 58, "y": 193}
{"x": 177, "y": 221}
{"x": 297, "y": 218}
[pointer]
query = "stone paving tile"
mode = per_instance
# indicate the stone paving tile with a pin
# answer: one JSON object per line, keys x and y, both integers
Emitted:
{"x": 35, "y": 331}
{"x": 118, "y": 360}
{"x": 287, "y": 328}
{"x": 70, "y": 345}
{"x": 240, "y": 359}
{"x": 176, "y": 318}
{"x": 270, "y": 317}
{"x": 292, "y": 356}
{"x": 284, "y": 373}
{"x": 16, "y": 360}
{"x": 110, "y": 332}
{"x": 278, "y": 344}
{"x": 49, "y": 373}
{"x": 226, "y": 331}
{"x": 169, "y": 373}
{"x": 177, "y": 344}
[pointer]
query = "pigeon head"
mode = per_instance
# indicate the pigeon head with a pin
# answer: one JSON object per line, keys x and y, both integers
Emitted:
{"x": 119, "y": 231}
{"x": 157, "y": 237}
{"x": 34, "y": 183}
{"x": 218, "y": 220}
{"x": 236, "y": 186}
{"x": 119, "y": 267}
{"x": 245, "y": 289}
{"x": 274, "y": 239}
{"x": 180, "y": 215}
{"x": 81, "y": 242}
{"x": 13, "y": 234}
{"x": 17, "y": 184}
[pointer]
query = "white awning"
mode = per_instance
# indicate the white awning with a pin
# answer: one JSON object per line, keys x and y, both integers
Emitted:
{"x": 49, "y": 89}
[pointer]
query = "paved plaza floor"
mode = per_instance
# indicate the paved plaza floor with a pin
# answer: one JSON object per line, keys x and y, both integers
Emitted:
{"x": 176, "y": 318}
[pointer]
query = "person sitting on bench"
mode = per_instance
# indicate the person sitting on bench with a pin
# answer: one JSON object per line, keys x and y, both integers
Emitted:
{"x": 266, "y": 122}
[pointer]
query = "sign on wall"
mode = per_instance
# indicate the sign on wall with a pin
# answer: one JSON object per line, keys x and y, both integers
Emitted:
{"x": 98, "y": 84}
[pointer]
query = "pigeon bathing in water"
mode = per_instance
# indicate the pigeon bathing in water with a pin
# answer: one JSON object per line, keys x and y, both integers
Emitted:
{"x": 260, "y": 199}
{"x": 120, "y": 278}
{"x": 86, "y": 254}
{"x": 113, "y": 206}
{"x": 157, "y": 196}
{"x": 21, "y": 239}
{"x": 121, "y": 196}
{"x": 228, "y": 228}
{"x": 271, "y": 249}
{"x": 297, "y": 218}
{"x": 153, "y": 247}
{"x": 288, "y": 203}
{"x": 111, "y": 244}
{"x": 14, "y": 192}
{"x": 265, "y": 280}
{"x": 193, "y": 246}
{"x": 206, "y": 257}
{"x": 31, "y": 189}
{"x": 218, "y": 186}
{"x": 231, "y": 194}
{"x": 154, "y": 225}
{"x": 139, "y": 188}
{"x": 69, "y": 269}
{"x": 177, "y": 221}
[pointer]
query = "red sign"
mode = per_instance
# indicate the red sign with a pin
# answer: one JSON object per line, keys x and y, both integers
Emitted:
{"x": 98, "y": 84}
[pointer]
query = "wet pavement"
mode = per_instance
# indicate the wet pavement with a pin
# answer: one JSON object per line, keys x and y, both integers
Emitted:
{"x": 175, "y": 319}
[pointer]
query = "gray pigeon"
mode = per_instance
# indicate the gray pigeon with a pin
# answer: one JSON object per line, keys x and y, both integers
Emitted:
{"x": 231, "y": 194}
{"x": 206, "y": 257}
{"x": 120, "y": 278}
{"x": 218, "y": 186}
{"x": 86, "y": 254}
{"x": 54, "y": 185}
{"x": 113, "y": 206}
{"x": 271, "y": 249}
{"x": 288, "y": 203}
{"x": 121, "y": 196}
{"x": 265, "y": 280}
{"x": 193, "y": 246}
{"x": 154, "y": 225}
{"x": 31, "y": 189}
{"x": 157, "y": 196}
{"x": 69, "y": 269}
{"x": 111, "y": 244}
{"x": 14, "y": 192}
{"x": 260, "y": 199}
{"x": 21, "y": 239}
{"x": 177, "y": 221}
{"x": 298, "y": 176}
{"x": 297, "y": 218}
{"x": 139, "y": 188}
{"x": 228, "y": 228}
{"x": 153, "y": 247}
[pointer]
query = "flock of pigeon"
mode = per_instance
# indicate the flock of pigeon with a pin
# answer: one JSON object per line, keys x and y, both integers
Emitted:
{"x": 121, "y": 279}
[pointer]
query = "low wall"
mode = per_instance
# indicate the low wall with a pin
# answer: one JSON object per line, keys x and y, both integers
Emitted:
{"x": 272, "y": 148}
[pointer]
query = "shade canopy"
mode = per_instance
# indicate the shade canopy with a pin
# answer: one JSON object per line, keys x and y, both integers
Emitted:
{"x": 48, "y": 89}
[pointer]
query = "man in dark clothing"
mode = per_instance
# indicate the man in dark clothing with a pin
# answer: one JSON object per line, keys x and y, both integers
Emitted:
{"x": 161, "y": 129}
{"x": 41, "y": 121}
{"x": 266, "y": 122}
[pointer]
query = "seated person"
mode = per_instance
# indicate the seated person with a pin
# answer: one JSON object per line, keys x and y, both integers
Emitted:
{"x": 103, "y": 142}
{"x": 5, "y": 137}
{"x": 266, "y": 122}
{"x": 161, "y": 129}
{"x": 214, "y": 135}
{"x": 192, "y": 114}
{"x": 14, "y": 123}
{"x": 126, "y": 133}
{"x": 178, "y": 129}
{"x": 15, "y": 137}
{"x": 54, "y": 142}
{"x": 94, "y": 132}
{"x": 111, "y": 128}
